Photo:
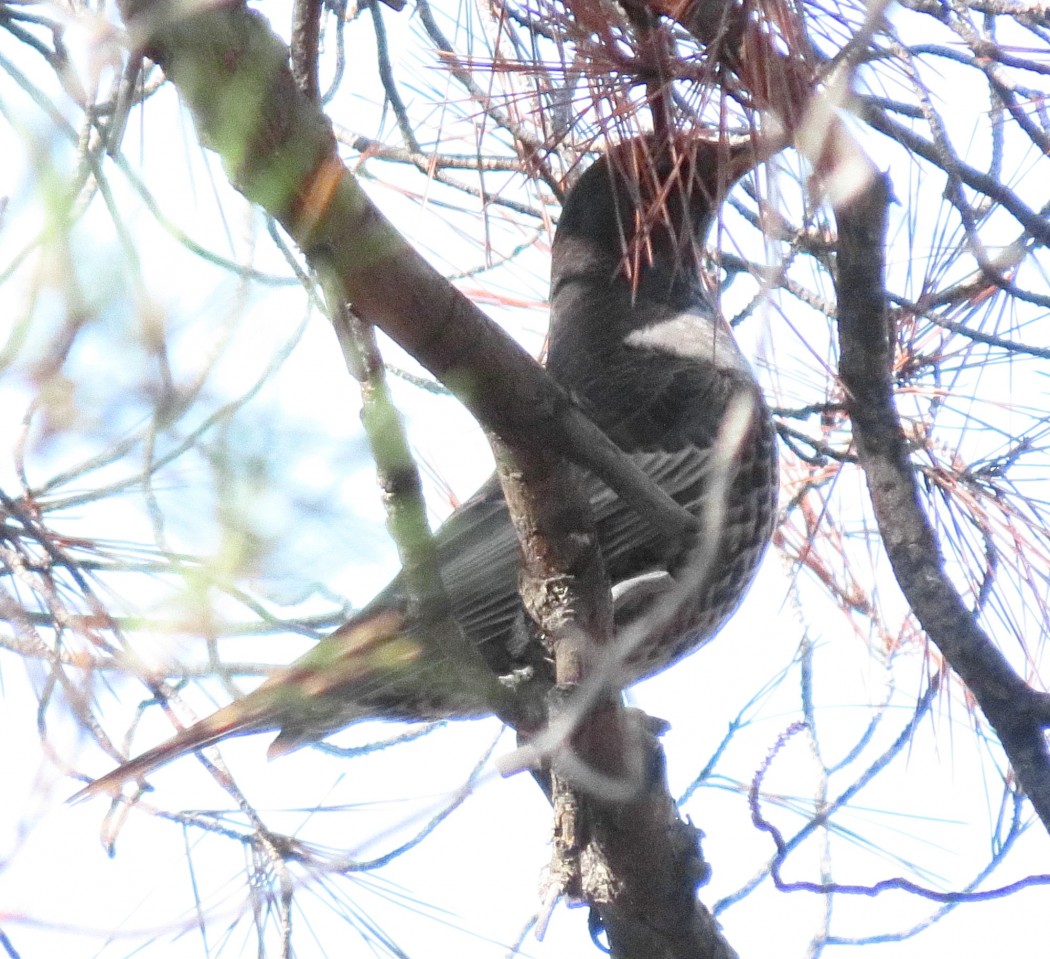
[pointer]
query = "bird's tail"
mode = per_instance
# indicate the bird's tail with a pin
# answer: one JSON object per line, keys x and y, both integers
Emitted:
{"x": 241, "y": 716}
{"x": 369, "y": 661}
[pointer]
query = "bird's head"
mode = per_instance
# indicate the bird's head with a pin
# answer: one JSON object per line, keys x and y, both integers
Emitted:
{"x": 637, "y": 219}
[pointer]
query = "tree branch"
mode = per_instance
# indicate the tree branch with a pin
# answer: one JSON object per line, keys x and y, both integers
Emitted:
{"x": 630, "y": 856}
{"x": 1018, "y": 713}
{"x": 279, "y": 151}
{"x": 406, "y": 511}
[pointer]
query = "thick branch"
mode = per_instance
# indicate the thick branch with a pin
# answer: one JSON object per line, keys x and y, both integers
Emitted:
{"x": 645, "y": 871}
{"x": 631, "y": 858}
{"x": 279, "y": 151}
{"x": 1018, "y": 713}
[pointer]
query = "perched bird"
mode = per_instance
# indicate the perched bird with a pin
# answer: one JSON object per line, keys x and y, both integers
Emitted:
{"x": 636, "y": 339}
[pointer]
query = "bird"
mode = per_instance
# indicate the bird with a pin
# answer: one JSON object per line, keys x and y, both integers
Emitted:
{"x": 636, "y": 339}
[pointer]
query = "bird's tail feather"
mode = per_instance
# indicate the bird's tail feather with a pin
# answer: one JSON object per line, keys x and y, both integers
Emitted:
{"x": 236, "y": 718}
{"x": 313, "y": 696}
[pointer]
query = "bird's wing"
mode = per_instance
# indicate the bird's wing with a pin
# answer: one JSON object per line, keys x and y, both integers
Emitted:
{"x": 478, "y": 553}
{"x": 631, "y": 544}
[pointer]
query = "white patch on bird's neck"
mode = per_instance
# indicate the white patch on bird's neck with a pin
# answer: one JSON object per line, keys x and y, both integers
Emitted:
{"x": 692, "y": 335}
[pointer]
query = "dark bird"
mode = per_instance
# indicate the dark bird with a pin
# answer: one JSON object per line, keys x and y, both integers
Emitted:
{"x": 636, "y": 339}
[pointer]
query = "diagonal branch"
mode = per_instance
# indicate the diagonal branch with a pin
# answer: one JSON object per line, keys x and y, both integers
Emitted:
{"x": 279, "y": 151}
{"x": 1018, "y": 713}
